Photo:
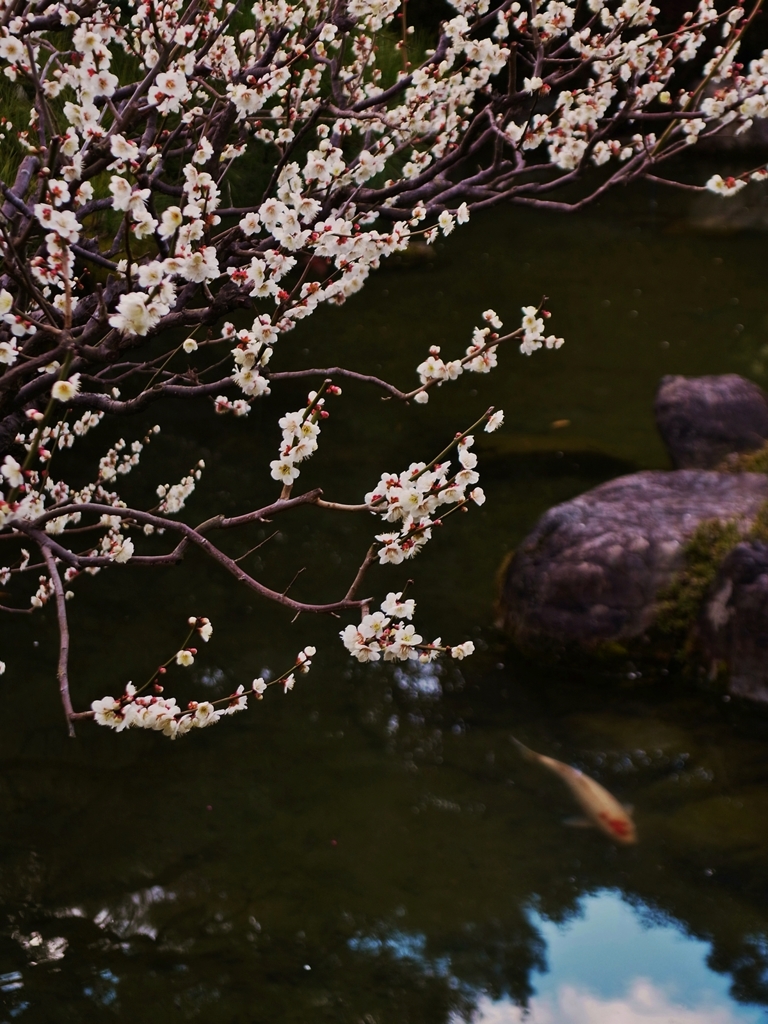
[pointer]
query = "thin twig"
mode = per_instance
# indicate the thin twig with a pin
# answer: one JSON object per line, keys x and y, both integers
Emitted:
{"x": 367, "y": 561}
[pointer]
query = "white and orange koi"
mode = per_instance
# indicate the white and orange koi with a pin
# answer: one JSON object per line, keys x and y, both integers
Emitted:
{"x": 602, "y": 810}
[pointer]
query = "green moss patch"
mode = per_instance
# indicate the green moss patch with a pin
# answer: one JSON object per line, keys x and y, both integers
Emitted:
{"x": 680, "y": 602}
{"x": 759, "y": 529}
{"x": 746, "y": 462}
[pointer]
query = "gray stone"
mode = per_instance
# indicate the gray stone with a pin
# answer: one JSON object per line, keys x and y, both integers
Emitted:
{"x": 704, "y": 419}
{"x": 733, "y": 629}
{"x": 592, "y": 568}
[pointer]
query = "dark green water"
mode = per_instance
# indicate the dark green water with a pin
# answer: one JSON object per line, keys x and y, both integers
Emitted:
{"x": 369, "y": 848}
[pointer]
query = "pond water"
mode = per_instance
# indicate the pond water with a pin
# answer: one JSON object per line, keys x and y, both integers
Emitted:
{"x": 370, "y": 847}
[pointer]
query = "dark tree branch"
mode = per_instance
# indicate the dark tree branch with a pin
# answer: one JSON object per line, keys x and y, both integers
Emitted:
{"x": 61, "y": 614}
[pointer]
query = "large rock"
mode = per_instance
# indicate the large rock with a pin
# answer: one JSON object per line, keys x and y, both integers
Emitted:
{"x": 592, "y": 569}
{"x": 733, "y": 628}
{"x": 704, "y": 419}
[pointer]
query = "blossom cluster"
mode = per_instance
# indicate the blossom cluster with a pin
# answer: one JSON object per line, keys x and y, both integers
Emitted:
{"x": 300, "y": 433}
{"x": 353, "y": 181}
{"x": 389, "y": 634}
{"x": 481, "y": 355}
{"x": 173, "y": 497}
{"x": 533, "y": 331}
{"x": 153, "y": 711}
{"x": 32, "y": 491}
{"x": 411, "y": 498}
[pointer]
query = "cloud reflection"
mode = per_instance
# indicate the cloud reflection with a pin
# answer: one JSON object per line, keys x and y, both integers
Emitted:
{"x": 643, "y": 1003}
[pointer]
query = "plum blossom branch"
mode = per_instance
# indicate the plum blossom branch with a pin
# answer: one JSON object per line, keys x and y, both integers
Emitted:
{"x": 190, "y": 535}
{"x": 162, "y": 714}
{"x": 128, "y": 237}
{"x": 206, "y": 94}
{"x": 387, "y": 634}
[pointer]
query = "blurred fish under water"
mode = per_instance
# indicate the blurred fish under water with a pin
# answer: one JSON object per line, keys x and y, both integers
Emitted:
{"x": 601, "y": 808}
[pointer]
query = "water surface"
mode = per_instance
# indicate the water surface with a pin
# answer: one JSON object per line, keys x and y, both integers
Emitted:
{"x": 370, "y": 847}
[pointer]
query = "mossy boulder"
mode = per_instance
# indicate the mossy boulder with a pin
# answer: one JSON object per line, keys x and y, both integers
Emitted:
{"x": 704, "y": 420}
{"x": 632, "y": 559}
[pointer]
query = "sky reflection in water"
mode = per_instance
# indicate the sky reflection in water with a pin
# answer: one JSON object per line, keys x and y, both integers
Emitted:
{"x": 611, "y": 967}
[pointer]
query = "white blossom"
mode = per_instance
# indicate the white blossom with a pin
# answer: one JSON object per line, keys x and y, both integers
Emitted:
{"x": 11, "y": 470}
{"x": 65, "y": 390}
{"x": 725, "y": 186}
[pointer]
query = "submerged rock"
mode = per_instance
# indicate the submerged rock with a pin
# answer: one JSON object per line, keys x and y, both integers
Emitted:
{"x": 702, "y": 420}
{"x": 594, "y": 570}
{"x": 733, "y": 628}
{"x": 745, "y": 211}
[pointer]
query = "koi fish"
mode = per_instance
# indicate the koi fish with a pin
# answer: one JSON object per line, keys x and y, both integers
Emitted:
{"x": 602, "y": 810}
